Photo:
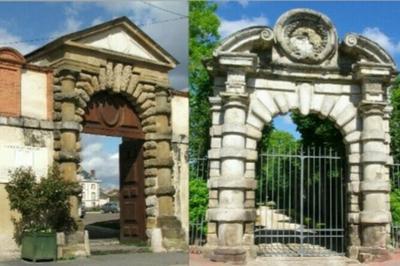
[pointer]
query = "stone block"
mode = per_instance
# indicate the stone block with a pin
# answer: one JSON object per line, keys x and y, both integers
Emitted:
{"x": 31, "y": 123}
{"x": 250, "y": 194}
{"x": 232, "y": 183}
{"x": 166, "y": 205}
{"x": 375, "y": 217}
{"x": 231, "y": 215}
{"x": 280, "y": 101}
{"x": 211, "y": 228}
{"x": 375, "y": 186}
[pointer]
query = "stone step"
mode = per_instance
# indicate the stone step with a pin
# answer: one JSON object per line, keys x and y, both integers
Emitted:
{"x": 104, "y": 242}
{"x": 113, "y": 246}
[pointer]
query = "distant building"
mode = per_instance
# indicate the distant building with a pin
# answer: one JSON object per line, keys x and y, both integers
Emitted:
{"x": 90, "y": 189}
{"x": 104, "y": 198}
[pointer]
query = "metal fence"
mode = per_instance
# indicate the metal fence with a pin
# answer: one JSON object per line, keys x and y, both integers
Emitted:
{"x": 395, "y": 180}
{"x": 301, "y": 201}
{"x": 198, "y": 167}
{"x": 297, "y": 193}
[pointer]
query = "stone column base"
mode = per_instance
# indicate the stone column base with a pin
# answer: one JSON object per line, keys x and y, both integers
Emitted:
{"x": 235, "y": 255}
{"x": 73, "y": 245}
{"x": 368, "y": 254}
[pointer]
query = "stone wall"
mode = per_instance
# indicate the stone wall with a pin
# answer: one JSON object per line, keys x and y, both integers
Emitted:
{"x": 180, "y": 143}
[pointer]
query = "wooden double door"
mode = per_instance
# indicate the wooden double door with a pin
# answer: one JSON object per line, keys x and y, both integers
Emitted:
{"x": 112, "y": 115}
{"x": 132, "y": 198}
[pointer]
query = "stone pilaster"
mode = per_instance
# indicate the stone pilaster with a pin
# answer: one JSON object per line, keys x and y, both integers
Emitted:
{"x": 375, "y": 216}
{"x": 230, "y": 220}
{"x": 69, "y": 129}
{"x": 173, "y": 235}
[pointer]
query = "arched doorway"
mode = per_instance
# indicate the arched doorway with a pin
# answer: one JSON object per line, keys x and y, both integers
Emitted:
{"x": 112, "y": 115}
{"x": 260, "y": 72}
{"x": 301, "y": 190}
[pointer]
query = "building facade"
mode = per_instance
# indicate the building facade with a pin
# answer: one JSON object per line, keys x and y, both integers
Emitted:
{"x": 90, "y": 189}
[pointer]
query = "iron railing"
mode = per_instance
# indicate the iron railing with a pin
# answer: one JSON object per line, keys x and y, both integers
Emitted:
{"x": 395, "y": 181}
{"x": 301, "y": 201}
{"x": 199, "y": 168}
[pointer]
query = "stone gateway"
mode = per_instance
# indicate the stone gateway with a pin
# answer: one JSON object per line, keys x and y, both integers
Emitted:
{"x": 110, "y": 79}
{"x": 260, "y": 72}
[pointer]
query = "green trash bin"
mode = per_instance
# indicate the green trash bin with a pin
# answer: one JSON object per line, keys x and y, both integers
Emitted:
{"x": 39, "y": 246}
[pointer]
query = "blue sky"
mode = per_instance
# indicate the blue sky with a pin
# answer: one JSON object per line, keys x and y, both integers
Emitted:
{"x": 22, "y": 21}
{"x": 377, "y": 20}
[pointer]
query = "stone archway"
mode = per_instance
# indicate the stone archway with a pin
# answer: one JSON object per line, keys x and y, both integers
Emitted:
{"x": 260, "y": 72}
{"x": 151, "y": 103}
{"x": 90, "y": 62}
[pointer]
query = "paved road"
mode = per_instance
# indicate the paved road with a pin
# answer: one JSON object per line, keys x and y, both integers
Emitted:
{"x": 94, "y": 217}
{"x": 139, "y": 259}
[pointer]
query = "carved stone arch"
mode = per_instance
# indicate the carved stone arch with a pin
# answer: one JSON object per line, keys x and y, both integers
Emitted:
{"x": 74, "y": 92}
{"x": 305, "y": 72}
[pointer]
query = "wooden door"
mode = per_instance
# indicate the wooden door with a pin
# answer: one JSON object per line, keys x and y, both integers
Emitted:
{"x": 132, "y": 200}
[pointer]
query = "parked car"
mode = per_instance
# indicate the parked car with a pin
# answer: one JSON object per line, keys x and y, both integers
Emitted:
{"x": 110, "y": 207}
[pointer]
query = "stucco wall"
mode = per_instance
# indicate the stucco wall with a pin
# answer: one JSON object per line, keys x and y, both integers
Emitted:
{"x": 34, "y": 94}
{"x": 13, "y": 142}
{"x": 180, "y": 133}
{"x": 26, "y": 131}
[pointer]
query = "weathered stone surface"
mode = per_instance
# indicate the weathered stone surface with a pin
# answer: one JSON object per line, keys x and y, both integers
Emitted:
{"x": 247, "y": 98}
{"x": 231, "y": 215}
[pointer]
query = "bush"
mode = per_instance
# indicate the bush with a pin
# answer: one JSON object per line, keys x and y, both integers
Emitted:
{"x": 395, "y": 205}
{"x": 198, "y": 198}
{"x": 44, "y": 206}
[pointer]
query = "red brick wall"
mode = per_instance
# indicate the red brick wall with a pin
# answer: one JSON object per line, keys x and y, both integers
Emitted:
{"x": 10, "y": 90}
{"x": 11, "y": 62}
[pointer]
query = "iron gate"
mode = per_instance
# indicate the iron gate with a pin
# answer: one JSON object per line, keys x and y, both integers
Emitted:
{"x": 301, "y": 202}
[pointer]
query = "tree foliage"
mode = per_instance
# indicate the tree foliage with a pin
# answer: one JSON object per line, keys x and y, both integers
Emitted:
{"x": 318, "y": 132}
{"x": 395, "y": 120}
{"x": 204, "y": 36}
{"x": 198, "y": 198}
{"x": 44, "y": 205}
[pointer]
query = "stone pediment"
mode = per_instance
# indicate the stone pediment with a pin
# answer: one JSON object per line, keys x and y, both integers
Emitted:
{"x": 301, "y": 37}
{"x": 119, "y": 39}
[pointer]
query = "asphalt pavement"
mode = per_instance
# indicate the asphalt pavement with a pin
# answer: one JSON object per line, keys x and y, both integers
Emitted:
{"x": 138, "y": 259}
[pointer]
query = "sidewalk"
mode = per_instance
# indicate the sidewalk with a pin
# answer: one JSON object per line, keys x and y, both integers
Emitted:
{"x": 140, "y": 259}
{"x": 199, "y": 260}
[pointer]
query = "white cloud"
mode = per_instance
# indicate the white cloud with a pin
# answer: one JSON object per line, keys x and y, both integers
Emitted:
{"x": 14, "y": 41}
{"x": 376, "y": 35}
{"x": 230, "y": 26}
{"x": 71, "y": 24}
{"x": 171, "y": 35}
{"x": 243, "y": 3}
{"x": 97, "y": 20}
{"x": 100, "y": 153}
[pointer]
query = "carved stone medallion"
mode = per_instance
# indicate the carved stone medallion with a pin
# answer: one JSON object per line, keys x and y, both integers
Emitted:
{"x": 306, "y": 36}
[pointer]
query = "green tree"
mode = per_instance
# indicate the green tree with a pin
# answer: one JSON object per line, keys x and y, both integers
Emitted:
{"x": 203, "y": 38}
{"x": 395, "y": 120}
{"x": 275, "y": 142}
{"x": 318, "y": 132}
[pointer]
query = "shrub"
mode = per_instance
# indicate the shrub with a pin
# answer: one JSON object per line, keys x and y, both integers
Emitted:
{"x": 44, "y": 206}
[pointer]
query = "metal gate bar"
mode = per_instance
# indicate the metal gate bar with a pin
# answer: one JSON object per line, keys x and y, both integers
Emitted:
{"x": 301, "y": 202}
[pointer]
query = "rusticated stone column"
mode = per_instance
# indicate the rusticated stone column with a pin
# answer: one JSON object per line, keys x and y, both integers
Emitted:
{"x": 227, "y": 215}
{"x": 375, "y": 184}
{"x": 170, "y": 227}
{"x": 68, "y": 128}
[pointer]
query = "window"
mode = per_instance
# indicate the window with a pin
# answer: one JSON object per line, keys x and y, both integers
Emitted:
{"x": 93, "y": 186}
{"x": 93, "y": 196}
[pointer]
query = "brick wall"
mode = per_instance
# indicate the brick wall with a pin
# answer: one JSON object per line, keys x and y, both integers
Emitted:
{"x": 25, "y": 89}
{"x": 10, "y": 82}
